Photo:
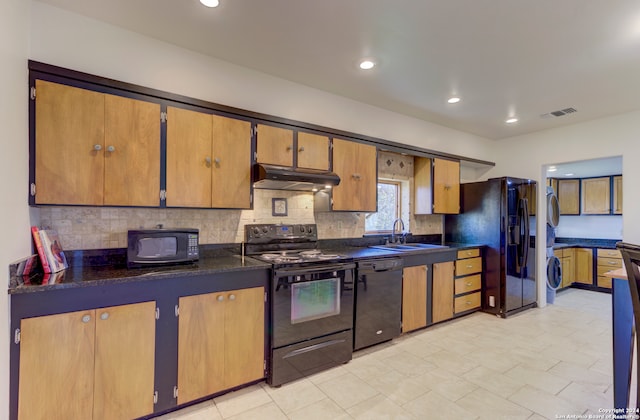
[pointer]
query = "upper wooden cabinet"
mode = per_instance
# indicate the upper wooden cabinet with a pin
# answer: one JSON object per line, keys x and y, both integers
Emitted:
{"x": 436, "y": 186}
{"x": 95, "y": 149}
{"x": 569, "y": 196}
{"x": 220, "y": 341}
{"x": 617, "y": 194}
{"x": 596, "y": 195}
{"x": 356, "y": 165}
{"x": 313, "y": 151}
{"x": 104, "y": 357}
{"x": 208, "y": 160}
{"x": 446, "y": 186}
{"x": 274, "y": 145}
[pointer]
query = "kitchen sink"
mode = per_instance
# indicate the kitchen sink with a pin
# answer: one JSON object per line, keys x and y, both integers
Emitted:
{"x": 408, "y": 247}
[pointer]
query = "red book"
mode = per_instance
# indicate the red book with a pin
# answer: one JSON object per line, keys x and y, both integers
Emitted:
{"x": 38, "y": 242}
{"x": 53, "y": 250}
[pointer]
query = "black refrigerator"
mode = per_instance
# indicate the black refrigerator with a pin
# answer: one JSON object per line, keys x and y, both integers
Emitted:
{"x": 496, "y": 213}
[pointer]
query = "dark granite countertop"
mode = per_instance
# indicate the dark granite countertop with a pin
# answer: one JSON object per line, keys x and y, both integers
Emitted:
{"x": 585, "y": 243}
{"x": 85, "y": 275}
{"x": 88, "y": 269}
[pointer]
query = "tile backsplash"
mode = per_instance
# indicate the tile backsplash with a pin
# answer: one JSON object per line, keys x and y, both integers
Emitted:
{"x": 106, "y": 227}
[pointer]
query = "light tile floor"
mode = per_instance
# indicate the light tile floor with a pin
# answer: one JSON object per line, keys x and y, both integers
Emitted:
{"x": 542, "y": 363}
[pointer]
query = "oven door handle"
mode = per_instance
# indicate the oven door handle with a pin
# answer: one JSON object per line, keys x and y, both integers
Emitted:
{"x": 312, "y": 270}
{"x": 312, "y": 348}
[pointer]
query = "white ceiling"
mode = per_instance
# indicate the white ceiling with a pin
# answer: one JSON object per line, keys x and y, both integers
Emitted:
{"x": 502, "y": 57}
{"x": 587, "y": 168}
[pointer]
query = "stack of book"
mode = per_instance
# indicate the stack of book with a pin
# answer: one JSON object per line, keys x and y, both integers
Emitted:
{"x": 49, "y": 249}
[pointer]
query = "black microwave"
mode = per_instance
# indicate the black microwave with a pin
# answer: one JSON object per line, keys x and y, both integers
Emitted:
{"x": 161, "y": 247}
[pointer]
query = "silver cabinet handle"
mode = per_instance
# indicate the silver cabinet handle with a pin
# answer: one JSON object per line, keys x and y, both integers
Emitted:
{"x": 86, "y": 318}
{"x": 232, "y": 297}
{"x": 301, "y": 149}
{"x": 469, "y": 284}
{"x": 104, "y": 316}
{"x": 111, "y": 149}
{"x": 468, "y": 302}
{"x": 217, "y": 160}
{"x": 220, "y": 298}
{"x": 469, "y": 266}
{"x": 208, "y": 160}
{"x": 97, "y": 147}
{"x": 356, "y": 176}
{"x": 289, "y": 148}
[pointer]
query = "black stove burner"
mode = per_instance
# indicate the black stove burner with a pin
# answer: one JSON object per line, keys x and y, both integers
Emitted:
{"x": 298, "y": 256}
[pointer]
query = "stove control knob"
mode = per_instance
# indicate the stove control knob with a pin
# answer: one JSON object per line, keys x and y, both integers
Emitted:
{"x": 265, "y": 229}
{"x": 256, "y": 231}
{"x": 309, "y": 229}
{"x": 302, "y": 229}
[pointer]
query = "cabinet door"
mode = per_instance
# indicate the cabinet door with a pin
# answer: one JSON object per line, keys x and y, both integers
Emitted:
{"x": 446, "y": 186}
{"x": 568, "y": 267}
{"x": 617, "y": 194}
{"x": 422, "y": 197}
{"x": 124, "y": 361}
{"x": 188, "y": 158}
{"x": 584, "y": 265}
{"x": 569, "y": 196}
{"x": 356, "y": 165}
{"x": 200, "y": 346}
{"x": 244, "y": 336}
{"x": 57, "y": 366}
{"x": 231, "y": 166}
{"x": 132, "y": 152}
{"x": 69, "y": 166}
{"x": 313, "y": 151}
{"x": 596, "y": 195}
{"x": 414, "y": 298}
{"x": 274, "y": 145}
{"x": 442, "y": 304}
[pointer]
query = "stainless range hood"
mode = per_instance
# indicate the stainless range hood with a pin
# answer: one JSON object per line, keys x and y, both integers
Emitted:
{"x": 273, "y": 177}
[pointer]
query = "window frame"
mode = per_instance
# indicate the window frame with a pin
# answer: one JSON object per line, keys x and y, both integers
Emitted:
{"x": 398, "y": 206}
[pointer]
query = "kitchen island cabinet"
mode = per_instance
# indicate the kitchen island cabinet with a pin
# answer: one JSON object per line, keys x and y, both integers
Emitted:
{"x": 220, "y": 341}
{"x": 93, "y": 148}
{"x": 95, "y": 364}
{"x": 356, "y": 165}
{"x": 208, "y": 160}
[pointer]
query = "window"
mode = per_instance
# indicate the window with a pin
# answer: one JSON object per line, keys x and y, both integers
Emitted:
{"x": 389, "y": 198}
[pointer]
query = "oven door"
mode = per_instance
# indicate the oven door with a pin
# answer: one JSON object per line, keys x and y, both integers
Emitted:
{"x": 310, "y": 302}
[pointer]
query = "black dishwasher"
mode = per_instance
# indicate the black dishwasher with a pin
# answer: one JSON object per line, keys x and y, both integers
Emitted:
{"x": 378, "y": 313}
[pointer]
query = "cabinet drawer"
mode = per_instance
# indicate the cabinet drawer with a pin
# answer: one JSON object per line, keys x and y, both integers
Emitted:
{"x": 604, "y": 281}
{"x": 609, "y": 253}
{"x": 611, "y": 263}
{"x": 468, "y": 253}
{"x": 467, "y": 302}
{"x": 468, "y": 266}
{"x": 468, "y": 284}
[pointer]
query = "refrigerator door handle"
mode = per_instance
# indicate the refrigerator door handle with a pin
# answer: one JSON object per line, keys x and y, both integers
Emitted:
{"x": 527, "y": 239}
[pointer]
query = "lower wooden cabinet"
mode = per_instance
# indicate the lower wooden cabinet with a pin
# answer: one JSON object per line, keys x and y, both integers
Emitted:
{"x": 94, "y": 364}
{"x": 442, "y": 304}
{"x": 468, "y": 282}
{"x": 220, "y": 341}
{"x": 584, "y": 266}
{"x": 414, "y": 298}
{"x": 607, "y": 259}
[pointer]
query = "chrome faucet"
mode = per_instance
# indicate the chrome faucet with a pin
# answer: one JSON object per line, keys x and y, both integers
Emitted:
{"x": 397, "y": 223}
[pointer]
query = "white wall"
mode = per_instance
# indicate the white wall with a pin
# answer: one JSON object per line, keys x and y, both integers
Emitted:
{"x": 72, "y": 41}
{"x": 594, "y": 227}
{"x": 14, "y": 153}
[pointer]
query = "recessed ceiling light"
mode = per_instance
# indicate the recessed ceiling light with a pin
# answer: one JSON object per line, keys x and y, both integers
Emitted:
{"x": 511, "y": 120}
{"x": 568, "y": 174}
{"x": 210, "y": 3}
{"x": 552, "y": 169}
{"x": 367, "y": 65}
{"x": 453, "y": 100}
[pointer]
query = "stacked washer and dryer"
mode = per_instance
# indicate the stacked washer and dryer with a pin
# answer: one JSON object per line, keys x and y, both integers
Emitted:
{"x": 554, "y": 266}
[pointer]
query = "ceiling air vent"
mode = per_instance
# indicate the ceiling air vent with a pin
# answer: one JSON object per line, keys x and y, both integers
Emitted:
{"x": 559, "y": 113}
